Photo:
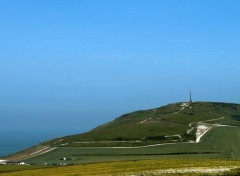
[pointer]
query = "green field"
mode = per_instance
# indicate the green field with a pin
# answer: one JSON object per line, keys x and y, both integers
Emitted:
{"x": 16, "y": 168}
{"x": 176, "y": 167}
{"x": 219, "y": 142}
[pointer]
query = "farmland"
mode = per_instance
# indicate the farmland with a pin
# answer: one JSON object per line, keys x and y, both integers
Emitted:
{"x": 187, "y": 167}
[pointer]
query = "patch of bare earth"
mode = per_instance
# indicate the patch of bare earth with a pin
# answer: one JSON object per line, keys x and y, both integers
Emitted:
{"x": 193, "y": 170}
{"x": 34, "y": 151}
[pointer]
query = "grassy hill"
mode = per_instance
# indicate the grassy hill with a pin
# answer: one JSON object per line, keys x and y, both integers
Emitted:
{"x": 164, "y": 124}
{"x": 140, "y": 135}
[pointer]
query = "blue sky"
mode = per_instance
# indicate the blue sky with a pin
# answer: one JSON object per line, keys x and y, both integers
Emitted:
{"x": 69, "y": 66}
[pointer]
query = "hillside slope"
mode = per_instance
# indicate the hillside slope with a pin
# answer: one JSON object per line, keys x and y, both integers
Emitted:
{"x": 181, "y": 124}
{"x": 173, "y": 122}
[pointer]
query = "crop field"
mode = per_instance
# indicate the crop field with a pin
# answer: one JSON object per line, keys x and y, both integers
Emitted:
{"x": 219, "y": 142}
{"x": 16, "y": 168}
{"x": 187, "y": 167}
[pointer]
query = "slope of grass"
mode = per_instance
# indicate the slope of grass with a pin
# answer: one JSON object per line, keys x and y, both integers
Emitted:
{"x": 155, "y": 123}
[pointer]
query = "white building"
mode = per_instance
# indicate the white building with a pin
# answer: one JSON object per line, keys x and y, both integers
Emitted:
{"x": 22, "y": 163}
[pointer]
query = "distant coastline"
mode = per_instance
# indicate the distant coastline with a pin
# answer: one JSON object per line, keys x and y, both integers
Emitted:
{"x": 13, "y": 141}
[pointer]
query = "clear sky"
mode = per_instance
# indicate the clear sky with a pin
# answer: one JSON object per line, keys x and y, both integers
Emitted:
{"x": 69, "y": 66}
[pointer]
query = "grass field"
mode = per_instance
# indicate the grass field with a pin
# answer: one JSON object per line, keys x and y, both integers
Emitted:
{"x": 16, "y": 168}
{"x": 187, "y": 167}
{"x": 219, "y": 142}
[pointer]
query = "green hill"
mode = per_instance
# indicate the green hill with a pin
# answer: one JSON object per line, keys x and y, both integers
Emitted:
{"x": 159, "y": 125}
{"x": 150, "y": 134}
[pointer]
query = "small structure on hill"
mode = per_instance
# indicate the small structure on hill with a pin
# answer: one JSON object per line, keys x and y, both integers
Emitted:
{"x": 22, "y": 163}
{"x": 190, "y": 100}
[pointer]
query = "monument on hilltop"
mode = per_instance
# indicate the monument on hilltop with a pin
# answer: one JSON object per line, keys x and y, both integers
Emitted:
{"x": 190, "y": 100}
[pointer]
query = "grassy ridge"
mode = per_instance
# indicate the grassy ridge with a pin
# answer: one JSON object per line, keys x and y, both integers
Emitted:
{"x": 155, "y": 123}
{"x": 128, "y": 167}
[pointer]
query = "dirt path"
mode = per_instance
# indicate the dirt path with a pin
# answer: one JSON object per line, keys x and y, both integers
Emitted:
{"x": 40, "y": 151}
{"x": 183, "y": 106}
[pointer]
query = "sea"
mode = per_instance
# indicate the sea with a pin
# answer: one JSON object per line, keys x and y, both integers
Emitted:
{"x": 12, "y": 141}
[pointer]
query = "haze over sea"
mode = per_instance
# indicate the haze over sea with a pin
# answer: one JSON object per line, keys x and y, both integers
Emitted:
{"x": 16, "y": 140}
{"x": 69, "y": 66}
